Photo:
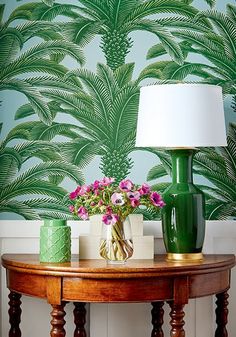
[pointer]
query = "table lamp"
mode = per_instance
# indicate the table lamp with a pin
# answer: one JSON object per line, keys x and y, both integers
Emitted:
{"x": 181, "y": 118}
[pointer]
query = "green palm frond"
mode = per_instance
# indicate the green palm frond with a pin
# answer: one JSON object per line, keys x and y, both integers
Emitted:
{"x": 156, "y": 172}
{"x": 81, "y": 31}
{"x": 216, "y": 209}
{"x": 225, "y": 26}
{"x": 231, "y": 11}
{"x": 183, "y": 22}
{"x": 206, "y": 41}
{"x": 46, "y": 66}
{"x": 161, "y": 6}
{"x": 53, "y": 47}
{"x": 1, "y": 11}
{"x": 10, "y": 163}
{"x": 11, "y": 42}
{"x": 229, "y": 152}
{"x": 80, "y": 151}
{"x": 173, "y": 71}
{"x": 24, "y": 111}
{"x": 33, "y": 95}
{"x": 154, "y": 70}
{"x": 119, "y": 9}
{"x": 35, "y": 28}
{"x": 20, "y": 208}
{"x": 99, "y": 7}
{"x": 79, "y": 110}
{"x": 21, "y": 131}
{"x": 30, "y": 149}
{"x": 39, "y": 11}
{"x": 52, "y": 82}
{"x": 48, "y": 2}
{"x": 166, "y": 38}
{"x": 33, "y": 186}
{"x": 124, "y": 114}
{"x": 97, "y": 89}
{"x": 123, "y": 74}
{"x": 44, "y": 132}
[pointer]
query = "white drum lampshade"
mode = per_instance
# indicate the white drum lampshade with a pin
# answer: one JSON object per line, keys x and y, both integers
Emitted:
{"x": 180, "y": 116}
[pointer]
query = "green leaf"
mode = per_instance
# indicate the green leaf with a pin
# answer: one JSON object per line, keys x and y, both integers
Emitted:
{"x": 10, "y": 163}
{"x": 2, "y": 7}
{"x": 81, "y": 31}
{"x": 37, "y": 148}
{"x": 80, "y": 151}
{"x": 20, "y": 208}
{"x": 231, "y": 11}
{"x": 33, "y": 95}
{"x": 25, "y": 110}
{"x": 123, "y": 74}
{"x": 47, "y": 133}
{"x": 156, "y": 172}
{"x": 21, "y": 187}
{"x": 48, "y": 2}
{"x": 99, "y": 7}
{"x": 165, "y": 36}
{"x": 35, "y": 11}
{"x": 11, "y": 41}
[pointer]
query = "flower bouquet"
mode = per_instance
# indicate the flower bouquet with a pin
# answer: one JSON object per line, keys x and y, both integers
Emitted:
{"x": 115, "y": 203}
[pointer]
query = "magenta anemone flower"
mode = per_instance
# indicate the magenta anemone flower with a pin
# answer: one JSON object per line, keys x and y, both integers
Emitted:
{"x": 96, "y": 184}
{"x": 71, "y": 208}
{"x": 156, "y": 199}
{"x": 133, "y": 195}
{"x": 83, "y": 213}
{"x": 110, "y": 219}
{"x": 126, "y": 185}
{"x": 117, "y": 199}
{"x": 84, "y": 189}
{"x": 73, "y": 195}
{"x": 135, "y": 203}
{"x": 107, "y": 181}
{"x": 144, "y": 189}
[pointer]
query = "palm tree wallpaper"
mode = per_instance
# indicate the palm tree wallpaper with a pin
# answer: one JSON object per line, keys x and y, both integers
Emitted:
{"x": 70, "y": 77}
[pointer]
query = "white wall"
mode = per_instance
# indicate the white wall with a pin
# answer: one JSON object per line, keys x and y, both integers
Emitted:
{"x": 111, "y": 320}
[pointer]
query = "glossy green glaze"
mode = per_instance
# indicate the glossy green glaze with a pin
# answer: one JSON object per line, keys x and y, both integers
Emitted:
{"x": 183, "y": 221}
{"x": 55, "y": 241}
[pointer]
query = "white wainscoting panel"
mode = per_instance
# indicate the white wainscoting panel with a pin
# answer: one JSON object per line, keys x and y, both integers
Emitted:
{"x": 114, "y": 320}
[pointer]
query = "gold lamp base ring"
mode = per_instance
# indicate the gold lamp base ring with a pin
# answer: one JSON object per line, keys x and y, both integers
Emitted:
{"x": 186, "y": 257}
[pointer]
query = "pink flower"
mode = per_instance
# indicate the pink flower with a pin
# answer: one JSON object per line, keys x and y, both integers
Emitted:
{"x": 73, "y": 195}
{"x": 83, "y": 213}
{"x": 96, "y": 184}
{"x": 135, "y": 203}
{"x": 100, "y": 203}
{"x": 110, "y": 219}
{"x": 144, "y": 189}
{"x": 84, "y": 189}
{"x": 133, "y": 195}
{"x": 126, "y": 185}
{"x": 71, "y": 208}
{"x": 117, "y": 199}
{"x": 156, "y": 199}
{"x": 107, "y": 181}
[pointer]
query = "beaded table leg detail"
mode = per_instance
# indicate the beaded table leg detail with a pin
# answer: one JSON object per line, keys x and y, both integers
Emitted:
{"x": 14, "y": 314}
{"x": 157, "y": 319}
{"x": 58, "y": 321}
{"x": 79, "y": 319}
{"x": 221, "y": 314}
{"x": 177, "y": 322}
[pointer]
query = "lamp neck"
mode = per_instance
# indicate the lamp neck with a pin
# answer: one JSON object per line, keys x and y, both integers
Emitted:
{"x": 182, "y": 161}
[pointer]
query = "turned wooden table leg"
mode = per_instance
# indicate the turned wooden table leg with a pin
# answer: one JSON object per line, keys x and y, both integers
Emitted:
{"x": 157, "y": 319}
{"x": 221, "y": 314}
{"x": 57, "y": 321}
{"x": 177, "y": 322}
{"x": 79, "y": 319}
{"x": 14, "y": 314}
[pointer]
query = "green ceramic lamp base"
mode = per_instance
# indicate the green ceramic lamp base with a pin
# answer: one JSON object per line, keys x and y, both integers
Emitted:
{"x": 189, "y": 257}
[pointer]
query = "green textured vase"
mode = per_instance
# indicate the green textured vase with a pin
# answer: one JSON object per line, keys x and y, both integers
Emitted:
{"x": 55, "y": 241}
{"x": 183, "y": 217}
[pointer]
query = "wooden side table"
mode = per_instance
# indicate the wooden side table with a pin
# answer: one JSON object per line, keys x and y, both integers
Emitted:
{"x": 82, "y": 281}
